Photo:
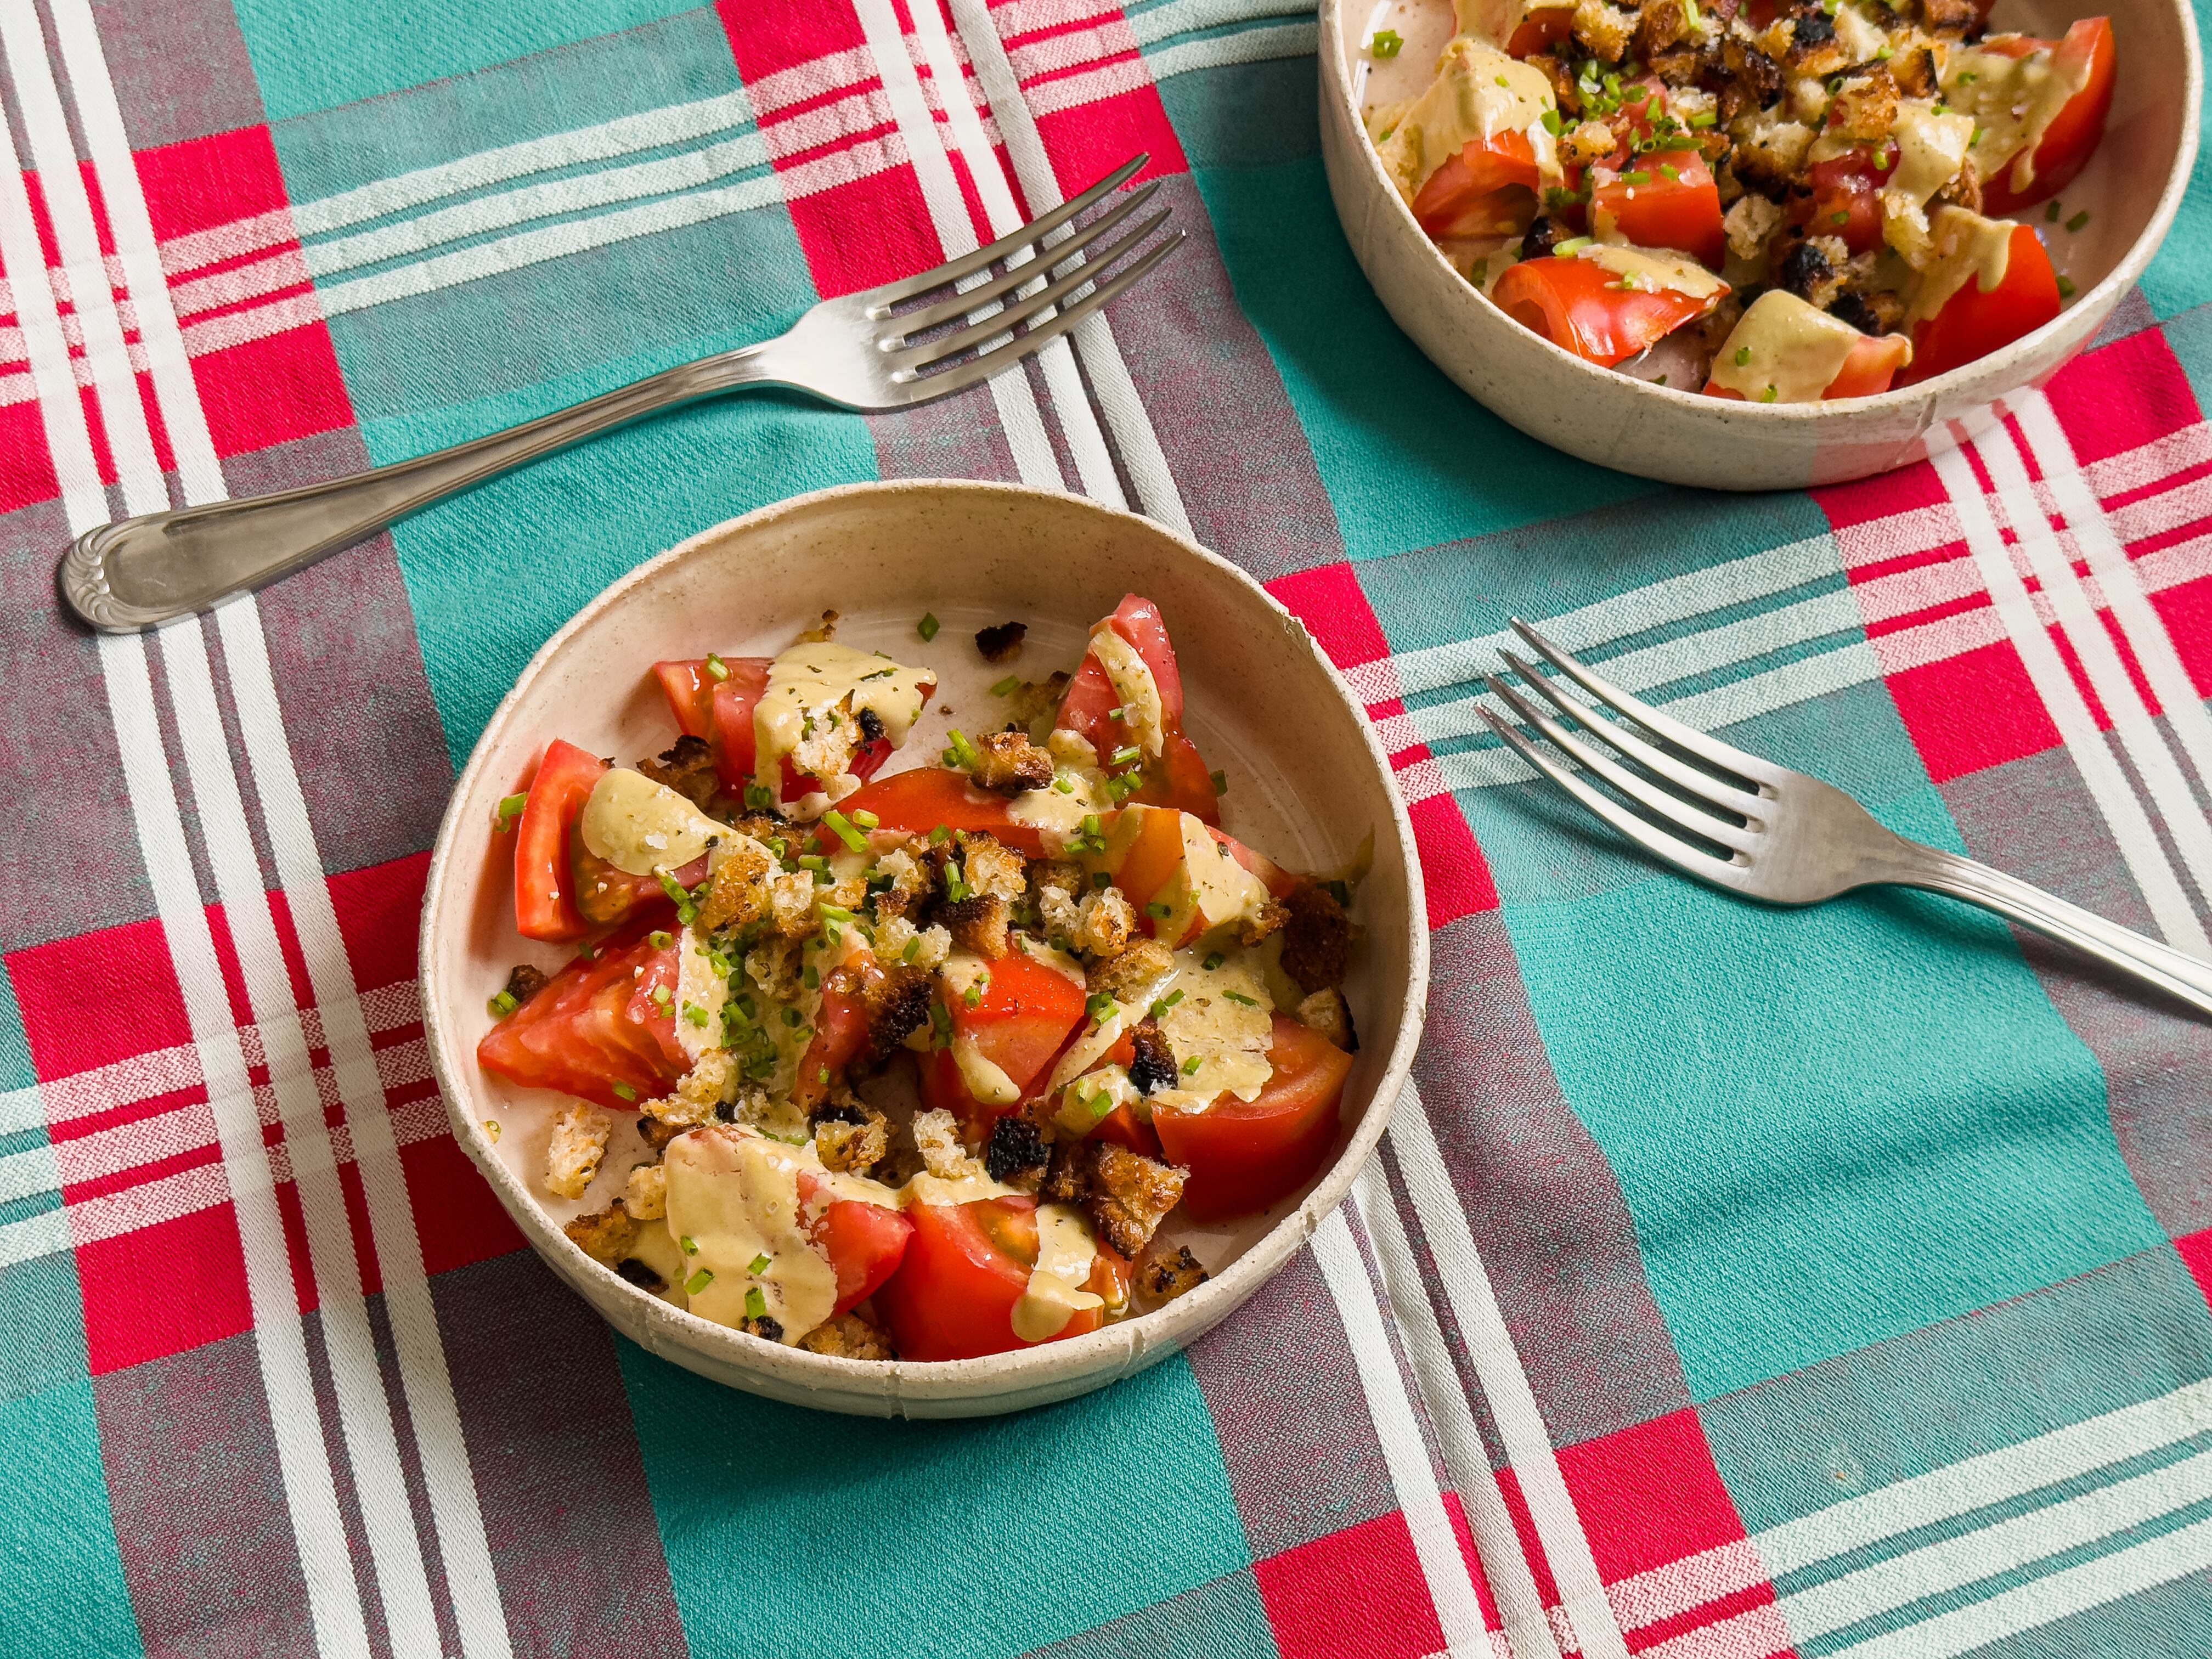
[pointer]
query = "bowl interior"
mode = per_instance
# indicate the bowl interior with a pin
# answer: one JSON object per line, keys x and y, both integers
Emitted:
{"x": 1306, "y": 783}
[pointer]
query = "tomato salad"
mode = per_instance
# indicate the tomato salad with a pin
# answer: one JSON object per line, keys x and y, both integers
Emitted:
{"x": 916, "y": 1066}
{"x": 1780, "y": 201}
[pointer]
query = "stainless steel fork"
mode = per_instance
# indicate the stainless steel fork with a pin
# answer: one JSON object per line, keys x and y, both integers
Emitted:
{"x": 860, "y": 351}
{"x": 1766, "y": 832}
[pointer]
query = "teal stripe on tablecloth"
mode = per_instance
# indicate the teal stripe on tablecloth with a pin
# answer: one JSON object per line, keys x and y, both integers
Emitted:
{"x": 58, "y": 1532}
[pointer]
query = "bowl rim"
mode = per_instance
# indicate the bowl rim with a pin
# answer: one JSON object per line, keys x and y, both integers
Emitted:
{"x": 1136, "y": 1340}
{"x": 1336, "y": 83}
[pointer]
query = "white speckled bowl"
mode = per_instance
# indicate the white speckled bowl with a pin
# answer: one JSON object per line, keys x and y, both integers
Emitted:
{"x": 2136, "y": 183}
{"x": 1307, "y": 782}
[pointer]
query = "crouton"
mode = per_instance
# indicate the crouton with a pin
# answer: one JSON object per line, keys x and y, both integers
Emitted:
{"x": 791, "y": 912}
{"x": 1130, "y": 1195}
{"x": 1660, "y": 24}
{"x": 1770, "y": 153}
{"x": 849, "y": 1135}
{"x": 1563, "y": 90}
{"x": 1865, "y": 107}
{"x": 1067, "y": 1178}
{"x": 847, "y": 1336}
{"x": 1802, "y": 268}
{"x": 572, "y": 1153}
{"x": 978, "y": 924}
{"x": 1037, "y": 701}
{"x": 524, "y": 982}
{"x": 1009, "y": 762}
{"x": 1326, "y": 1012}
{"x": 1002, "y": 643}
{"x": 687, "y": 769}
{"x": 896, "y": 937}
{"x": 1016, "y": 1149}
{"x": 641, "y": 1275}
{"x": 1915, "y": 73}
{"x": 1105, "y": 921}
{"x": 991, "y": 869}
{"x": 1748, "y": 224}
{"x": 897, "y": 999}
{"x": 823, "y": 633}
{"x": 937, "y": 1137}
{"x": 1267, "y": 920}
{"x": 1963, "y": 188}
{"x": 1755, "y": 81}
{"x": 908, "y": 879}
{"x": 1164, "y": 1275}
{"x": 1604, "y": 30}
{"x": 1954, "y": 19}
{"x": 606, "y": 1237}
{"x": 1592, "y": 140}
{"x": 739, "y": 895}
{"x": 1814, "y": 50}
{"x": 656, "y": 1134}
{"x": 1152, "y": 1067}
{"x": 1128, "y": 974}
{"x": 777, "y": 966}
{"x": 1317, "y": 939}
{"x": 1681, "y": 65}
{"x": 644, "y": 1194}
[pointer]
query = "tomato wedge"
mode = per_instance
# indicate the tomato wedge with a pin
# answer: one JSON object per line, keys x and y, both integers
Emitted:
{"x": 1578, "y": 305}
{"x": 1846, "y": 202}
{"x": 1179, "y": 778}
{"x": 1872, "y": 363}
{"x": 1488, "y": 189}
{"x": 965, "y": 1267}
{"x": 1540, "y": 31}
{"x": 719, "y": 709}
{"x": 1243, "y": 1156}
{"x": 596, "y": 1029}
{"x": 1020, "y": 1023}
{"x": 1651, "y": 209}
{"x": 929, "y": 797}
{"x": 841, "y": 1031}
{"x": 544, "y": 900}
{"x": 1974, "y": 323}
{"x": 864, "y": 1242}
{"x": 2074, "y": 132}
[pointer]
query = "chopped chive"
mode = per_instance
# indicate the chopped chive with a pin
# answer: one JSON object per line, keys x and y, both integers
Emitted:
{"x": 686, "y": 911}
{"x": 758, "y": 798}
{"x": 1505, "y": 82}
{"x": 758, "y": 1264}
{"x": 716, "y": 668}
{"x": 756, "y": 1303}
{"x": 1387, "y": 43}
{"x": 1638, "y": 177}
{"x": 660, "y": 939}
{"x": 1238, "y": 996}
{"x": 962, "y": 750}
{"x": 1158, "y": 1010}
{"x": 662, "y": 995}
{"x": 1190, "y": 1066}
{"x": 503, "y": 1005}
{"x": 1101, "y": 1008}
{"x": 2066, "y": 288}
{"x": 510, "y": 808}
{"x": 1100, "y": 878}
{"x": 842, "y": 827}
{"x": 1742, "y": 356}
{"x": 940, "y": 1025}
{"x": 1703, "y": 117}
{"x": 1213, "y": 960}
{"x": 695, "y": 1013}
{"x": 2079, "y": 220}
{"x": 691, "y": 1245}
{"x": 1769, "y": 395}
{"x": 1063, "y": 785}
{"x": 814, "y": 862}
{"x": 1007, "y": 687}
{"x": 1975, "y": 142}
{"x": 1158, "y": 911}
{"x": 1840, "y": 217}
{"x": 913, "y": 949}
{"x": 625, "y": 1091}
{"x": 973, "y": 996}
{"x": 866, "y": 819}
{"x": 1572, "y": 245}
{"x": 1220, "y": 782}
{"x": 812, "y": 977}
{"x": 1552, "y": 125}
{"x": 1672, "y": 174}
{"x": 940, "y": 836}
{"x": 790, "y": 1017}
{"x": 2050, "y": 214}
{"x": 698, "y": 1281}
{"x": 927, "y": 626}
{"x": 1124, "y": 757}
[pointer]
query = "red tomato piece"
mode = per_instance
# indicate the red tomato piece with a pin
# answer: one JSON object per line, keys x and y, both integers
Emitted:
{"x": 1874, "y": 360}
{"x": 922, "y": 800}
{"x": 1682, "y": 213}
{"x": 544, "y": 902}
{"x": 596, "y": 1029}
{"x": 1179, "y": 777}
{"x": 1577, "y": 305}
{"x": 720, "y": 710}
{"x": 690, "y": 689}
{"x": 1243, "y": 1156}
{"x": 1020, "y": 1023}
{"x": 1540, "y": 31}
{"x": 864, "y": 1242}
{"x": 1973, "y": 323}
{"x": 1488, "y": 189}
{"x": 965, "y": 1267}
{"x": 2074, "y": 132}
{"x": 1846, "y": 202}
{"x": 841, "y": 1031}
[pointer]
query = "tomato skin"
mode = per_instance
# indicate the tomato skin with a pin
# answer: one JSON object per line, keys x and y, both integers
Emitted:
{"x": 953, "y": 1295}
{"x": 865, "y": 1243}
{"x": 1849, "y": 185}
{"x": 1245, "y": 1156}
{"x": 691, "y": 693}
{"x": 1488, "y": 189}
{"x": 1179, "y": 777}
{"x": 1540, "y": 31}
{"x": 1020, "y": 1024}
{"x": 1875, "y": 360}
{"x": 1682, "y": 213}
{"x": 544, "y": 900}
{"x": 1973, "y": 323}
{"x": 2075, "y": 131}
{"x": 594, "y": 1025}
{"x": 841, "y": 1031}
{"x": 1569, "y": 301}
{"x": 920, "y": 800}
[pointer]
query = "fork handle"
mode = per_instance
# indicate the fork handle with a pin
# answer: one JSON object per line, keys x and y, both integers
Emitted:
{"x": 130, "y": 575}
{"x": 2178, "y": 975}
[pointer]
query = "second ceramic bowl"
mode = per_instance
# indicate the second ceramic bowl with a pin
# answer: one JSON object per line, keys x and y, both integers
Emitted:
{"x": 1309, "y": 783}
{"x": 2136, "y": 181}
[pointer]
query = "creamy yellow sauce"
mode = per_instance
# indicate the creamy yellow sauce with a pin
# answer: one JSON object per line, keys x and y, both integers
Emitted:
{"x": 697, "y": 986}
{"x": 640, "y": 826}
{"x": 1653, "y": 270}
{"x": 1142, "y": 713}
{"x": 1966, "y": 246}
{"x": 2014, "y": 100}
{"x": 1208, "y": 890}
{"x": 1228, "y": 1037}
{"x": 1066, "y": 1251}
{"x": 1478, "y": 93}
{"x": 811, "y": 708}
{"x": 1931, "y": 149}
{"x": 943, "y": 1190}
{"x": 1058, "y": 813}
{"x": 1783, "y": 346}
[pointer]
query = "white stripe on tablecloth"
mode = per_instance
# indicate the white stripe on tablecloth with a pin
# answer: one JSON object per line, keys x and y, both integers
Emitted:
{"x": 1124, "y": 412}
{"x": 1497, "y": 1542}
{"x": 1451, "y": 1590}
{"x": 2108, "y": 786}
{"x": 1079, "y": 421}
{"x": 303, "y": 1460}
{"x": 1181, "y": 16}
{"x": 1217, "y": 51}
{"x": 1504, "y": 1384}
{"x": 1018, "y": 415}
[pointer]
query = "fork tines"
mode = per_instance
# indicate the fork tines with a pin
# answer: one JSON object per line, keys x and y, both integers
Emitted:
{"x": 1046, "y": 287}
{"x": 1703, "y": 787}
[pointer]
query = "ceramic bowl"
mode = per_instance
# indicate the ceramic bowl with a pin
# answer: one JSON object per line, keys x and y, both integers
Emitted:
{"x": 1309, "y": 783}
{"x": 2135, "y": 181}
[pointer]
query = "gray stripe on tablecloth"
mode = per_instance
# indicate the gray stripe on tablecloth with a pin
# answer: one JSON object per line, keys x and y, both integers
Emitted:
{"x": 563, "y": 1486}
{"x": 1224, "y": 1616}
{"x": 1542, "y": 1203}
{"x": 1284, "y": 1395}
{"x": 2034, "y": 817}
{"x": 147, "y": 47}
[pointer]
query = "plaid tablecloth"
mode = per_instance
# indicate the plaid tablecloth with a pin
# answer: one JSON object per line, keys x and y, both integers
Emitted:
{"x": 1734, "y": 1282}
